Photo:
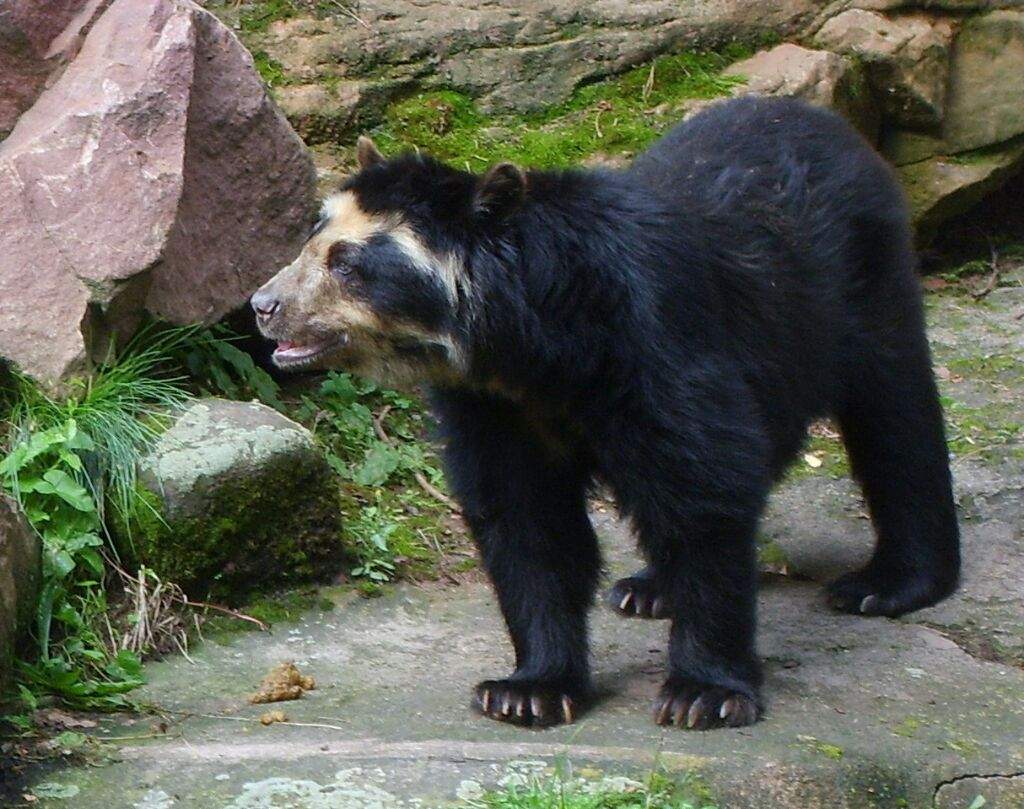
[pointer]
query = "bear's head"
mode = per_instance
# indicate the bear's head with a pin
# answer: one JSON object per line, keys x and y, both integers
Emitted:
{"x": 384, "y": 285}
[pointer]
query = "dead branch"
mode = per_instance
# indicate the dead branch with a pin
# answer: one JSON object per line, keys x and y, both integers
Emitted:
{"x": 426, "y": 485}
{"x": 241, "y": 616}
{"x": 993, "y": 279}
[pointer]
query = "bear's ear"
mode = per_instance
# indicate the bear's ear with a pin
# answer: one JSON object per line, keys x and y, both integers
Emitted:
{"x": 367, "y": 152}
{"x": 500, "y": 190}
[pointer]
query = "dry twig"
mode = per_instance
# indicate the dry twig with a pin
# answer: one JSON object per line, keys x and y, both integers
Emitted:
{"x": 993, "y": 279}
{"x": 241, "y": 616}
{"x": 426, "y": 485}
{"x": 648, "y": 85}
{"x": 350, "y": 13}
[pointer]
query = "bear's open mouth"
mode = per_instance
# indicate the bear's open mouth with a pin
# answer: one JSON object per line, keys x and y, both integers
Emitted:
{"x": 290, "y": 354}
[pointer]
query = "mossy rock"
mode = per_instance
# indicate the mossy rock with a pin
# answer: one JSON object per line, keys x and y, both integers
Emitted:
{"x": 236, "y": 497}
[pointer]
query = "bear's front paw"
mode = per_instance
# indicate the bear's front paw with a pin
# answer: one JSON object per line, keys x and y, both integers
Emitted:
{"x": 688, "y": 703}
{"x": 637, "y": 596}
{"x": 535, "y": 703}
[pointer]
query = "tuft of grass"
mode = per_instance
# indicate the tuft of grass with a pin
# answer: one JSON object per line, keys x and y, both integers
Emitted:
{"x": 118, "y": 412}
{"x": 67, "y": 458}
{"x": 621, "y": 115}
{"x": 270, "y": 70}
{"x": 563, "y": 791}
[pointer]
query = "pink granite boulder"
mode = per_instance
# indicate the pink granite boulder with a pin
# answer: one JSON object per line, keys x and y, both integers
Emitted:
{"x": 154, "y": 176}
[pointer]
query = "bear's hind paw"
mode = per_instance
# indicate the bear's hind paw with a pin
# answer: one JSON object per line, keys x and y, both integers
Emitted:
{"x": 637, "y": 597}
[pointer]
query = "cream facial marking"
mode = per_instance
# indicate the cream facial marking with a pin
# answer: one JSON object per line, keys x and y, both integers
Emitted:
{"x": 347, "y": 222}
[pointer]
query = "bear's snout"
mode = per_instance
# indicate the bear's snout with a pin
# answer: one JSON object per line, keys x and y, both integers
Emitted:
{"x": 265, "y": 303}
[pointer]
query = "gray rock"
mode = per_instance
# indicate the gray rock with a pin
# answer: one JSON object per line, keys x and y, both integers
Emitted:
{"x": 507, "y": 54}
{"x": 954, "y": 6}
{"x": 19, "y": 579}
{"x": 155, "y": 175}
{"x": 999, "y": 791}
{"x": 244, "y": 498}
{"x": 986, "y": 89}
{"x": 906, "y": 57}
{"x": 940, "y": 188}
{"x": 819, "y": 77}
{"x": 863, "y": 712}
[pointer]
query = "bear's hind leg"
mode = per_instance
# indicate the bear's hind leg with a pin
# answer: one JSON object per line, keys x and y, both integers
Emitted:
{"x": 638, "y": 596}
{"x": 893, "y": 431}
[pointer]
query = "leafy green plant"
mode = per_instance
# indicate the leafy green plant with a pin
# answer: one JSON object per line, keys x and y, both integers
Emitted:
{"x": 67, "y": 458}
{"x": 342, "y": 412}
{"x": 372, "y": 439}
{"x": 217, "y": 365}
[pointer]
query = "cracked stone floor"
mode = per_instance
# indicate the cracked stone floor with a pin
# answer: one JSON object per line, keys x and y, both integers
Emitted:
{"x": 927, "y": 711}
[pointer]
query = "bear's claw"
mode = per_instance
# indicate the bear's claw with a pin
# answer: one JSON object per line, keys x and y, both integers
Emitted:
{"x": 637, "y": 597}
{"x": 525, "y": 702}
{"x": 701, "y": 706}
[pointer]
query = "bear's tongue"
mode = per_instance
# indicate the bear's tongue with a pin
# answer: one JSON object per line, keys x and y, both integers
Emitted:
{"x": 285, "y": 345}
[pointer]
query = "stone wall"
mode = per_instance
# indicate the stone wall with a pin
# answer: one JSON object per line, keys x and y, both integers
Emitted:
{"x": 944, "y": 99}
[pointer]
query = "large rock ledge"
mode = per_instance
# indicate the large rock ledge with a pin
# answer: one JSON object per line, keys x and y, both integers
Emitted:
{"x": 939, "y": 78}
{"x": 509, "y": 55}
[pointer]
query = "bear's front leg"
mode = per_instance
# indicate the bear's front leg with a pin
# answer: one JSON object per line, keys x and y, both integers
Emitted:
{"x": 525, "y": 504}
{"x": 692, "y": 473}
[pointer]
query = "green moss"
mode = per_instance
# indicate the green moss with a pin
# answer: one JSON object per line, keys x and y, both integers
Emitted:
{"x": 968, "y": 748}
{"x": 284, "y": 606}
{"x": 831, "y": 751}
{"x": 242, "y": 542}
{"x": 978, "y": 430}
{"x": 907, "y": 728}
{"x": 465, "y": 565}
{"x": 829, "y": 451}
{"x": 771, "y": 558}
{"x": 999, "y": 368}
{"x": 257, "y": 17}
{"x": 616, "y": 116}
{"x": 270, "y": 70}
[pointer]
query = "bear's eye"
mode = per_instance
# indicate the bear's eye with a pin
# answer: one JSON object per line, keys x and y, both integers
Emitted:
{"x": 339, "y": 259}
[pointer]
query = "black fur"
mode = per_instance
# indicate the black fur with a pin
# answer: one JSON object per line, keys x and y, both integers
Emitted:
{"x": 671, "y": 330}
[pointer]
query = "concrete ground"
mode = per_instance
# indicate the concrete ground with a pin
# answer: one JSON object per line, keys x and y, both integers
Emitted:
{"x": 927, "y": 711}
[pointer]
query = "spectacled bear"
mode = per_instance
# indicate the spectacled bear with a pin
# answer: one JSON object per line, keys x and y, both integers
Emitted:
{"x": 669, "y": 330}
